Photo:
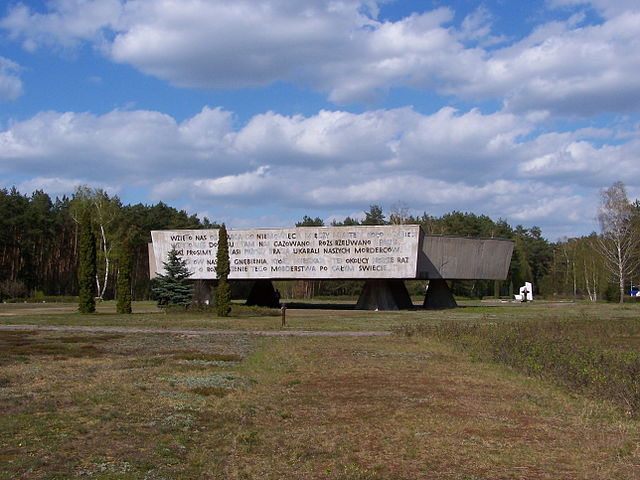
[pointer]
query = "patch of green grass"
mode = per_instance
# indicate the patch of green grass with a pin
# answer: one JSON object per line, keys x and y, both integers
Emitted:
{"x": 148, "y": 316}
{"x": 208, "y": 357}
{"x": 112, "y": 415}
{"x": 21, "y": 346}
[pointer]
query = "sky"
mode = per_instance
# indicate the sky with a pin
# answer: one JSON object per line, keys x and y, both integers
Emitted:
{"x": 258, "y": 113}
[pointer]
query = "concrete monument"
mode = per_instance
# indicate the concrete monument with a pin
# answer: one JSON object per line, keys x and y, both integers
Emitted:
{"x": 384, "y": 256}
{"x": 526, "y": 293}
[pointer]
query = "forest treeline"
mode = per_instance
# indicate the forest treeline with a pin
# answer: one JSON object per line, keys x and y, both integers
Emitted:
{"x": 39, "y": 241}
{"x": 39, "y": 247}
{"x": 531, "y": 258}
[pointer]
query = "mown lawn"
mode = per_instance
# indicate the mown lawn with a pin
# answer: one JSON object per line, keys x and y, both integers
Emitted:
{"x": 326, "y": 318}
{"x": 175, "y": 406}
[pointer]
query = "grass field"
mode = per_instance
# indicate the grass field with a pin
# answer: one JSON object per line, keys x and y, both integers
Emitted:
{"x": 421, "y": 403}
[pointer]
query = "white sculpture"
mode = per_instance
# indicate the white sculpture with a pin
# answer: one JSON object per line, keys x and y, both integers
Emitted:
{"x": 526, "y": 293}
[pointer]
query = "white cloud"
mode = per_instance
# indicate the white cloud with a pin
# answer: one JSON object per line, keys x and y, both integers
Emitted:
{"x": 533, "y": 210}
{"x": 211, "y": 129}
{"x": 262, "y": 221}
{"x": 569, "y": 158}
{"x": 409, "y": 188}
{"x": 477, "y": 27}
{"x": 119, "y": 145}
{"x": 496, "y": 164}
{"x": 10, "y": 83}
{"x": 582, "y": 71}
{"x": 608, "y": 8}
{"x": 220, "y": 44}
{"x": 563, "y": 66}
{"x": 56, "y": 186}
{"x": 249, "y": 184}
{"x": 329, "y": 137}
{"x": 65, "y": 24}
{"x": 453, "y": 143}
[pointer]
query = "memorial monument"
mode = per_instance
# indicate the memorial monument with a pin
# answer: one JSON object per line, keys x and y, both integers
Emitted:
{"x": 384, "y": 256}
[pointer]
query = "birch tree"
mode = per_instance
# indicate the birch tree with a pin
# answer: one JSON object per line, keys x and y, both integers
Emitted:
{"x": 617, "y": 241}
{"x": 590, "y": 272}
{"x": 399, "y": 214}
{"x": 104, "y": 211}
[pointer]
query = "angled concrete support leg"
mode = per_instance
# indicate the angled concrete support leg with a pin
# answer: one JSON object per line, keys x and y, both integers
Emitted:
{"x": 263, "y": 294}
{"x": 384, "y": 294}
{"x": 439, "y": 295}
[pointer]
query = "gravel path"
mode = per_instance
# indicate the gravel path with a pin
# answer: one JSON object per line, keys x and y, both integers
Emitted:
{"x": 260, "y": 333}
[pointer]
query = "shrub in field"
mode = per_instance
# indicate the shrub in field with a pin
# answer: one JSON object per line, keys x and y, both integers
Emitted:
{"x": 12, "y": 289}
{"x": 173, "y": 288}
{"x": 223, "y": 290}
{"x": 87, "y": 269}
{"x": 237, "y": 310}
{"x": 582, "y": 355}
{"x": 611, "y": 293}
{"x": 45, "y": 299}
{"x": 124, "y": 279}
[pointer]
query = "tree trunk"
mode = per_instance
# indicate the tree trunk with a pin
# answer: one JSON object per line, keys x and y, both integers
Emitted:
{"x": 621, "y": 273}
{"x": 105, "y": 250}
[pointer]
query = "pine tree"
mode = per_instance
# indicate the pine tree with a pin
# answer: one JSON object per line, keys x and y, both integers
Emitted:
{"x": 374, "y": 216}
{"x": 123, "y": 304}
{"x": 87, "y": 267}
{"x": 223, "y": 291}
{"x": 173, "y": 287}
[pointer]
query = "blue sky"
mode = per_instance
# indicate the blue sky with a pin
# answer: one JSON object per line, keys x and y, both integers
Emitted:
{"x": 257, "y": 113}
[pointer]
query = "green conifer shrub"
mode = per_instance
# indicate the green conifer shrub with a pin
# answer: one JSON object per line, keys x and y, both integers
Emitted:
{"x": 173, "y": 288}
{"x": 87, "y": 266}
{"x": 223, "y": 290}
{"x": 123, "y": 304}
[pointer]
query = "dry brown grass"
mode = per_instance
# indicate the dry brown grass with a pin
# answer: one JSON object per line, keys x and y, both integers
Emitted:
{"x": 412, "y": 409}
{"x": 164, "y": 406}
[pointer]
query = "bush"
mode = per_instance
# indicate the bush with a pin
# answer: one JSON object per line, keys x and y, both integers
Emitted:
{"x": 237, "y": 310}
{"x": 87, "y": 266}
{"x": 123, "y": 287}
{"x": 43, "y": 299}
{"x": 173, "y": 288}
{"x": 576, "y": 354}
{"x": 223, "y": 291}
{"x": 12, "y": 289}
{"x": 612, "y": 293}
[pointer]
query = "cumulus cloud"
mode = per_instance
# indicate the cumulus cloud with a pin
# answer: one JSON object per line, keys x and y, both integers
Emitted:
{"x": 452, "y": 143}
{"x": 330, "y": 137}
{"x": 128, "y": 144}
{"x": 605, "y": 7}
{"x": 344, "y": 50}
{"x": 582, "y": 71}
{"x": 218, "y": 44}
{"x": 10, "y": 83}
{"x": 67, "y": 22}
{"x": 497, "y": 164}
{"x": 571, "y": 157}
{"x": 247, "y": 186}
{"x": 120, "y": 144}
{"x": 58, "y": 186}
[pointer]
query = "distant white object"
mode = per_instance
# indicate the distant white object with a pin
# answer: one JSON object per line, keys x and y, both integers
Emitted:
{"x": 526, "y": 293}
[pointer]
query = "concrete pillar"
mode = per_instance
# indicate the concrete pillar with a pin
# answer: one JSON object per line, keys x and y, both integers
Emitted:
{"x": 263, "y": 294}
{"x": 384, "y": 294}
{"x": 439, "y": 295}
